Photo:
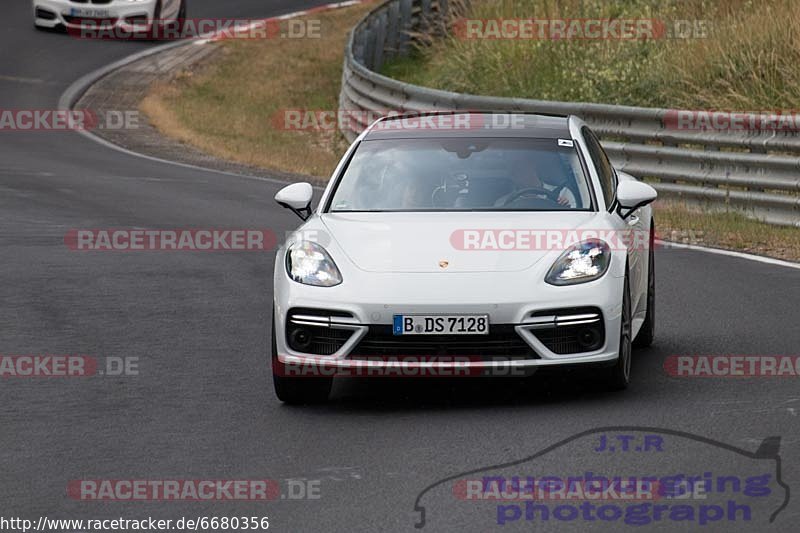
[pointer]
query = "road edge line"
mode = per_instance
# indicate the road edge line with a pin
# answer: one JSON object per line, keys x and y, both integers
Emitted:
{"x": 730, "y": 253}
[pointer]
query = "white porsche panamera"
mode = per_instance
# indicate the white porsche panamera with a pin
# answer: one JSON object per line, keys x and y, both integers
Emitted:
{"x": 132, "y": 14}
{"x": 468, "y": 241}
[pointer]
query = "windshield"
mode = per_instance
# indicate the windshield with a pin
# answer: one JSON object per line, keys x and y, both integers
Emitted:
{"x": 463, "y": 174}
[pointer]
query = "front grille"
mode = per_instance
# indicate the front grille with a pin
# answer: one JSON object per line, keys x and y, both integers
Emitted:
{"x": 501, "y": 342}
{"x": 96, "y": 2}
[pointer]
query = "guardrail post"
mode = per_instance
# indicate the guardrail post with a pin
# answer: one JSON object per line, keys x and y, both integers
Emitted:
{"x": 369, "y": 47}
{"x": 404, "y": 40}
{"x": 425, "y": 25}
{"x": 392, "y": 31}
{"x": 380, "y": 41}
{"x": 444, "y": 16}
{"x": 358, "y": 47}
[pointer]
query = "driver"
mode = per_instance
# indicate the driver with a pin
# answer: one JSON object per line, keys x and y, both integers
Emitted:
{"x": 565, "y": 196}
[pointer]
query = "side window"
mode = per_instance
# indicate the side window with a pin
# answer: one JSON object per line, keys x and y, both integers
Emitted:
{"x": 608, "y": 178}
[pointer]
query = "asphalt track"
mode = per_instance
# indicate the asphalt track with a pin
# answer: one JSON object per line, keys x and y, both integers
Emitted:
{"x": 202, "y": 406}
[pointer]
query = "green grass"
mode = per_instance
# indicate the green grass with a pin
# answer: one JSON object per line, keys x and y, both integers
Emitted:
{"x": 748, "y": 61}
{"x": 679, "y": 223}
{"x": 229, "y": 107}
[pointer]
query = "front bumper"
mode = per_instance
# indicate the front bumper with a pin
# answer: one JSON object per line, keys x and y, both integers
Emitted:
{"x": 519, "y": 316}
{"x": 59, "y": 13}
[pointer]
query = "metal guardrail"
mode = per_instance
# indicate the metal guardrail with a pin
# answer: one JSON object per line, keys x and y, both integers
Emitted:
{"x": 754, "y": 172}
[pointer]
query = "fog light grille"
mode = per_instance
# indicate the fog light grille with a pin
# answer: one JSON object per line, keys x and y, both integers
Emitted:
{"x": 311, "y": 331}
{"x": 569, "y": 331}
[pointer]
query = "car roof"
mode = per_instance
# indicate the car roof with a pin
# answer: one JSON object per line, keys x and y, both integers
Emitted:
{"x": 450, "y": 124}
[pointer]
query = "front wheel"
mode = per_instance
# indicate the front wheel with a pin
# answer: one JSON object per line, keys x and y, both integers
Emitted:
{"x": 296, "y": 390}
{"x": 619, "y": 376}
{"x": 182, "y": 16}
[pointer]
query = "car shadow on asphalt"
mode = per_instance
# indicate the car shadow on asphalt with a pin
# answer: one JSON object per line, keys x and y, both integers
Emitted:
{"x": 402, "y": 394}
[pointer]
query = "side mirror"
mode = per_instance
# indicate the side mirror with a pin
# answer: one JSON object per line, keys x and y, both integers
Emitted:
{"x": 632, "y": 195}
{"x": 296, "y": 197}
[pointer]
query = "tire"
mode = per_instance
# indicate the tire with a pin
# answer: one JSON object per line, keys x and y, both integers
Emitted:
{"x": 182, "y": 16}
{"x": 296, "y": 390}
{"x": 157, "y": 25}
{"x": 619, "y": 375}
{"x": 648, "y": 331}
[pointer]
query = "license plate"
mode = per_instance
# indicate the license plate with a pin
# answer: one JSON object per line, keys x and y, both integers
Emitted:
{"x": 90, "y": 13}
{"x": 441, "y": 325}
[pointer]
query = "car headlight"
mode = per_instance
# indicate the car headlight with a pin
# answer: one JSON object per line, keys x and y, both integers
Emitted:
{"x": 586, "y": 261}
{"x": 308, "y": 262}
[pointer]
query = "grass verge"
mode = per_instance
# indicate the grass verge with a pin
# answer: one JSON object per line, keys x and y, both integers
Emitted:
{"x": 723, "y": 54}
{"x": 231, "y": 108}
{"x": 680, "y": 223}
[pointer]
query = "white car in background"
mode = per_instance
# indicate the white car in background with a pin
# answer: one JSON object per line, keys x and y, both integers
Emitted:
{"x": 421, "y": 247}
{"x": 129, "y": 14}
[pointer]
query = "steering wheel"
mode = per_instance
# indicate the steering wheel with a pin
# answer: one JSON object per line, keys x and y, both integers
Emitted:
{"x": 552, "y": 196}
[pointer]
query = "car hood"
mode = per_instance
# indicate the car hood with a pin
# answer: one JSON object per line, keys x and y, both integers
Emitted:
{"x": 433, "y": 242}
